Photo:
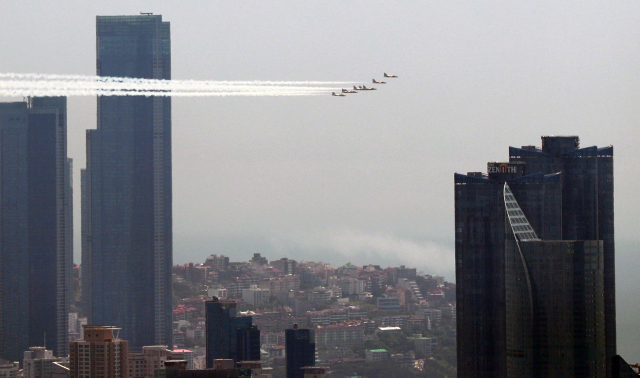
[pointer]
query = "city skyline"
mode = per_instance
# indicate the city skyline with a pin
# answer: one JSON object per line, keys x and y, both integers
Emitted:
{"x": 338, "y": 181}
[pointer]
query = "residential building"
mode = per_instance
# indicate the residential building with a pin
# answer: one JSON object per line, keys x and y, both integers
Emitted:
{"x": 217, "y": 263}
{"x": 35, "y": 216}
{"x": 38, "y": 362}
{"x": 285, "y": 265}
{"x": 9, "y": 369}
{"x": 319, "y": 295}
{"x": 281, "y": 284}
{"x": 255, "y": 296}
{"x": 128, "y": 187}
{"x": 386, "y": 303}
{"x": 300, "y": 351}
{"x": 338, "y": 335}
{"x": 422, "y": 345}
{"x": 101, "y": 354}
{"x": 219, "y": 292}
{"x": 144, "y": 364}
{"x": 564, "y": 193}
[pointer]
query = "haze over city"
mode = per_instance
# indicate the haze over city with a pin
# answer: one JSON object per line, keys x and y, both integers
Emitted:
{"x": 368, "y": 177}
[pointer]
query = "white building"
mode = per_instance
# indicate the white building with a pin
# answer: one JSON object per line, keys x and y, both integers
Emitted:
{"x": 9, "y": 369}
{"x": 219, "y": 292}
{"x": 38, "y": 362}
{"x": 255, "y": 296}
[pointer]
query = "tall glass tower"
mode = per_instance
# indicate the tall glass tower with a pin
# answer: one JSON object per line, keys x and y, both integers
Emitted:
{"x": 35, "y": 220}
{"x": 128, "y": 236}
{"x": 566, "y": 193}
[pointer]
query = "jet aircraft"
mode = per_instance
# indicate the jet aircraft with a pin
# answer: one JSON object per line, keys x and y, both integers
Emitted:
{"x": 348, "y": 91}
{"x": 363, "y": 88}
{"x": 379, "y": 82}
{"x": 338, "y": 95}
{"x": 385, "y": 75}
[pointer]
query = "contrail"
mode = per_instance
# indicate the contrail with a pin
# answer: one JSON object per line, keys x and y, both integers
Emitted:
{"x": 33, "y": 84}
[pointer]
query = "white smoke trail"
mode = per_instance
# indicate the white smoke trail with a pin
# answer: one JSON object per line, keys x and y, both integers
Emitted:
{"x": 32, "y": 84}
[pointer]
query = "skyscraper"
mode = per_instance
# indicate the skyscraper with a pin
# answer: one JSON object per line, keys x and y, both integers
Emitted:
{"x": 229, "y": 336}
{"x": 35, "y": 246}
{"x": 300, "y": 350}
{"x": 566, "y": 192}
{"x": 128, "y": 185}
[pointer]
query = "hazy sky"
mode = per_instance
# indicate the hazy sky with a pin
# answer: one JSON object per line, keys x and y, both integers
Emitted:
{"x": 367, "y": 178}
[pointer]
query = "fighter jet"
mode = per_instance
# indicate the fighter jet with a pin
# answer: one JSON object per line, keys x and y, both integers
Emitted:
{"x": 385, "y": 75}
{"x": 363, "y": 88}
{"x": 338, "y": 95}
{"x": 379, "y": 82}
{"x": 348, "y": 91}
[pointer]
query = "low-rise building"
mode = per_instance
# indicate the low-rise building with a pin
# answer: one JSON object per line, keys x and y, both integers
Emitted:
{"x": 406, "y": 359}
{"x": 422, "y": 345}
{"x": 38, "y": 362}
{"x": 9, "y": 369}
{"x": 388, "y": 303}
{"x": 144, "y": 364}
{"x": 319, "y": 295}
{"x": 376, "y": 355}
{"x": 339, "y": 335}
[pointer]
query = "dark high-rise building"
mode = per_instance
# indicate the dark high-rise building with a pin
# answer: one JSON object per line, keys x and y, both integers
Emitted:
{"x": 300, "y": 350}
{"x": 566, "y": 192}
{"x": 128, "y": 184}
{"x": 36, "y": 256}
{"x": 228, "y": 336}
{"x": 247, "y": 340}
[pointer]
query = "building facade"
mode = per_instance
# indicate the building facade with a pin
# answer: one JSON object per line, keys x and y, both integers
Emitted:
{"x": 128, "y": 235}
{"x": 101, "y": 354}
{"x": 566, "y": 193}
{"x": 300, "y": 350}
{"x": 35, "y": 241}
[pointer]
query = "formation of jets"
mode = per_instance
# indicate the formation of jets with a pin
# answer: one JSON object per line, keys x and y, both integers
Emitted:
{"x": 361, "y": 87}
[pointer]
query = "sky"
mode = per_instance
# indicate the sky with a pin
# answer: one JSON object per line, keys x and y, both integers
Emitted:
{"x": 366, "y": 178}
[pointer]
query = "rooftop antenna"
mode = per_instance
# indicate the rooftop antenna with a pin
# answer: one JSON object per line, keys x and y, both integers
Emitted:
{"x": 45, "y": 340}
